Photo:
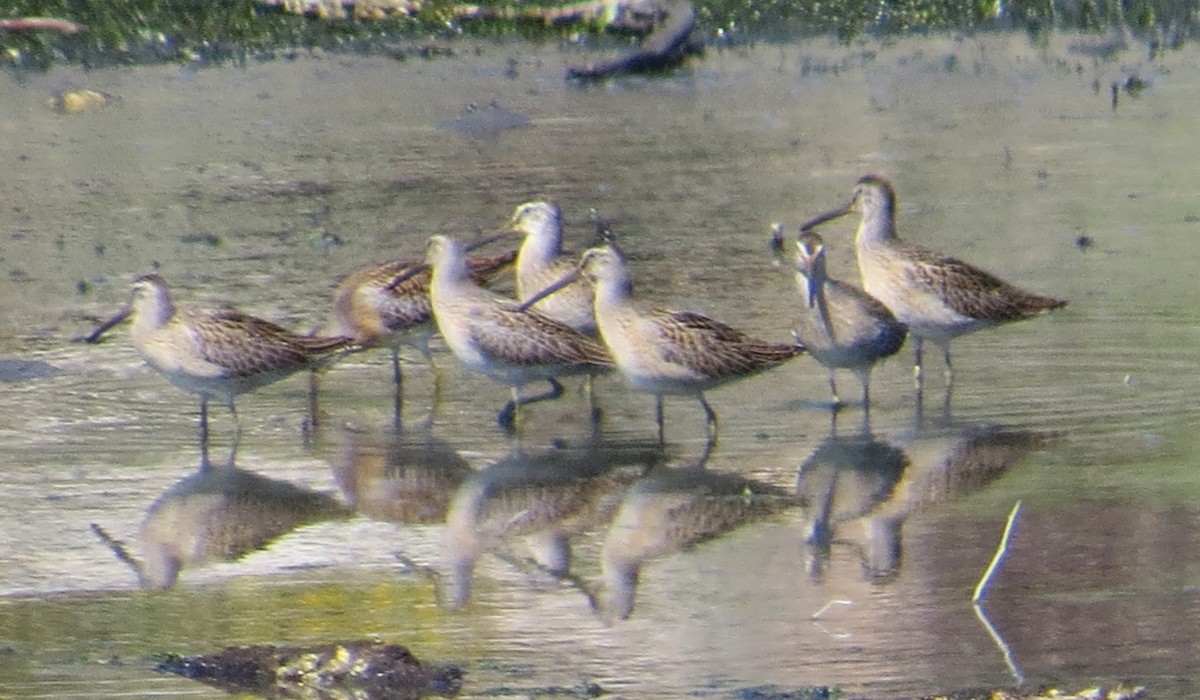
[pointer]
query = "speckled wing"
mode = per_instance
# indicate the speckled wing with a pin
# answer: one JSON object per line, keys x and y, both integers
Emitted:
{"x": 714, "y": 349}
{"x": 973, "y": 292}
{"x": 407, "y": 304}
{"x": 528, "y": 338}
{"x": 484, "y": 268}
{"x": 246, "y": 346}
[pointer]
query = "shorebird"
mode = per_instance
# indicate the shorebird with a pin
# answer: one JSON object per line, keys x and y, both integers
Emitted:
{"x": 662, "y": 352}
{"x": 541, "y": 261}
{"x": 488, "y": 333}
{"x": 842, "y": 326}
{"x": 938, "y": 297}
{"x": 219, "y": 353}
{"x": 371, "y": 308}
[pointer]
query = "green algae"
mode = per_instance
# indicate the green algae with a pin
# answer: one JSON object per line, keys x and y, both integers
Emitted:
{"x": 142, "y": 31}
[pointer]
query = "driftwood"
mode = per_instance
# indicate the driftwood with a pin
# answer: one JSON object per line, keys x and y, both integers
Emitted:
{"x": 364, "y": 669}
{"x": 668, "y": 25}
{"x": 666, "y": 46}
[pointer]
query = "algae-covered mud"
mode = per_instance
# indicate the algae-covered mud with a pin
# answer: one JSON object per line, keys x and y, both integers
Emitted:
{"x": 39, "y": 33}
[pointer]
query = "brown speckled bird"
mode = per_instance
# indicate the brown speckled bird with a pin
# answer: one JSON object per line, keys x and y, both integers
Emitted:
{"x": 218, "y": 353}
{"x": 488, "y": 333}
{"x": 938, "y": 297}
{"x": 377, "y": 311}
{"x": 660, "y": 351}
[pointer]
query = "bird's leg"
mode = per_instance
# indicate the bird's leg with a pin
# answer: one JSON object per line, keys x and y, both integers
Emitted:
{"x": 864, "y": 378}
{"x": 237, "y": 424}
{"x": 397, "y": 375}
{"x": 949, "y": 366}
{"x": 710, "y": 426}
{"x": 204, "y": 422}
{"x": 589, "y": 388}
{"x": 946, "y": 404}
{"x": 710, "y": 444}
{"x": 507, "y": 418}
{"x": 819, "y": 532}
{"x": 837, "y": 400}
{"x": 658, "y": 417}
{"x": 397, "y": 411}
{"x": 314, "y": 416}
{"x": 398, "y": 390}
{"x": 437, "y": 382}
{"x": 556, "y": 390}
{"x": 918, "y": 373}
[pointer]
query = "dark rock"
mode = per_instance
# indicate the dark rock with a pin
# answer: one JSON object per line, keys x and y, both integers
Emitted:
{"x": 363, "y": 668}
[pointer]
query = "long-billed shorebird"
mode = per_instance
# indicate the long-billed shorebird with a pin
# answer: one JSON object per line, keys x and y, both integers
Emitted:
{"x": 842, "y": 326}
{"x": 938, "y": 297}
{"x": 219, "y": 353}
{"x": 489, "y": 334}
{"x": 662, "y": 352}
{"x": 376, "y": 311}
{"x": 541, "y": 262}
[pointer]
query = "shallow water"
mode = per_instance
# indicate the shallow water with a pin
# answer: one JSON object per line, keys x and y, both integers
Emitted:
{"x": 233, "y": 182}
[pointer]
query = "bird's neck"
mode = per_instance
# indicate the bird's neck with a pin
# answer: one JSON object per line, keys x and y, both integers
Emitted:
{"x": 876, "y": 227}
{"x": 614, "y": 291}
{"x": 154, "y": 311}
{"x": 540, "y": 248}
{"x": 450, "y": 269}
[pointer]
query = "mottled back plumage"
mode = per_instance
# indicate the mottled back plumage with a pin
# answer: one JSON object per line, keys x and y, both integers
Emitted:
{"x": 937, "y": 296}
{"x": 219, "y": 353}
{"x": 715, "y": 350}
{"x": 369, "y": 306}
{"x": 247, "y": 346}
{"x": 491, "y": 335}
{"x": 969, "y": 290}
{"x": 671, "y": 352}
{"x": 544, "y": 340}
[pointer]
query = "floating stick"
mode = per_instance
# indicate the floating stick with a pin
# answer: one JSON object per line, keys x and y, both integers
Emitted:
{"x": 1009, "y": 659}
{"x": 998, "y": 557}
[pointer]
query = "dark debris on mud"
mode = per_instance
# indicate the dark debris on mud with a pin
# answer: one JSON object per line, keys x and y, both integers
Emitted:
{"x": 361, "y": 669}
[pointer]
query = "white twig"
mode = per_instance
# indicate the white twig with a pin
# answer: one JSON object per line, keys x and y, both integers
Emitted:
{"x": 1009, "y": 660}
{"x": 998, "y": 557}
{"x": 825, "y": 608}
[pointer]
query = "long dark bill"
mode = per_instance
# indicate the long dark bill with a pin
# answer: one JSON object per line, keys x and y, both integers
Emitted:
{"x": 486, "y": 240}
{"x": 827, "y": 216}
{"x": 118, "y": 318}
{"x": 566, "y": 280}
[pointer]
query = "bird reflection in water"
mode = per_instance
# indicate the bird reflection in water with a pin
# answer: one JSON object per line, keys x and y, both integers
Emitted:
{"x": 403, "y": 476}
{"x": 859, "y": 490}
{"x": 219, "y": 513}
{"x": 670, "y": 509}
{"x": 845, "y": 479}
{"x": 543, "y": 497}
